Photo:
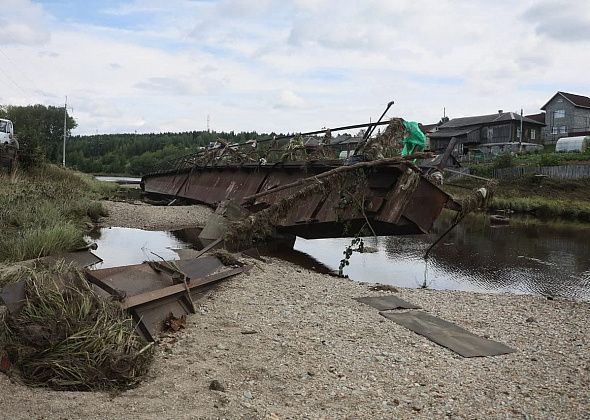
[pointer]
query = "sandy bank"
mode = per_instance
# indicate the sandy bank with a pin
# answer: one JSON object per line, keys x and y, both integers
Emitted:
{"x": 290, "y": 343}
{"x": 144, "y": 216}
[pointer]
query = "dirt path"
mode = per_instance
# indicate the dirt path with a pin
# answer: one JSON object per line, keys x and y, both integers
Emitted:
{"x": 144, "y": 216}
{"x": 286, "y": 342}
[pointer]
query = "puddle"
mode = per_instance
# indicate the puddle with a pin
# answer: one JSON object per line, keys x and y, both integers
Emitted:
{"x": 125, "y": 246}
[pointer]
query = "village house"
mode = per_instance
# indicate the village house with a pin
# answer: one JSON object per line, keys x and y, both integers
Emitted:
{"x": 566, "y": 115}
{"x": 494, "y": 130}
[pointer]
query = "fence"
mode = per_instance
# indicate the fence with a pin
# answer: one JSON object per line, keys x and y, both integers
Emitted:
{"x": 560, "y": 172}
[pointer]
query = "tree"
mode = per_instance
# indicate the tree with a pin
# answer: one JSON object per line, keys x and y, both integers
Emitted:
{"x": 39, "y": 129}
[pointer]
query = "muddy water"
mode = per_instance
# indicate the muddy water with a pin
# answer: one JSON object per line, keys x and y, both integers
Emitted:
{"x": 548, "y": 259}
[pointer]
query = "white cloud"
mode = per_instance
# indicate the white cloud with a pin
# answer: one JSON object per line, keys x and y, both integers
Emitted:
{"x": 559, "y": 20}
{"x": 294, "y": 65}
{"x": 289, "y": 100}
{"x": 22, "y": 23}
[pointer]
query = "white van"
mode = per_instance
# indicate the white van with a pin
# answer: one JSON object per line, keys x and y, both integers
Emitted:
{"x": 6, "y": 132}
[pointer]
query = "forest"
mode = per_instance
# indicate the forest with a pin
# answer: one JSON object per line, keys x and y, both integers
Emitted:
{"x": 137, "y": 154}
{"x": 40, "y": 132}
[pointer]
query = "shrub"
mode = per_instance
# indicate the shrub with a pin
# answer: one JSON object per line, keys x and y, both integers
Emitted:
{"x": 549, "y": 159}
{"x": 504, "y": 160}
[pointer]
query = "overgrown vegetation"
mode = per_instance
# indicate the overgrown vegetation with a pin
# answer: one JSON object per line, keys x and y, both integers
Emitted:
{"x": 543, "y": 207}
{"x": 45, "y": 210}
{"x": 539, "y": 196}
{"x": 68, "y": 337}
{"x": 530, "y": 159}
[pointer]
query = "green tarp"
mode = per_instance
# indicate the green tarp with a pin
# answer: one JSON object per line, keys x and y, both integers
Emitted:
{"x": 416, "y": 139}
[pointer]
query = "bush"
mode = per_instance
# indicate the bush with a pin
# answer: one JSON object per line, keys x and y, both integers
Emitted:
{"x": 503, "y": 161}
{"x": 549, "y": 159}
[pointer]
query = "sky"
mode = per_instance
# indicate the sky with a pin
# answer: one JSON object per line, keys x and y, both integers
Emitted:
{"x": 288, "y": 65}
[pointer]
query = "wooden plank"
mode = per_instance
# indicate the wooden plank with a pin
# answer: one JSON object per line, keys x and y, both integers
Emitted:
{"x": 142, "y": 298}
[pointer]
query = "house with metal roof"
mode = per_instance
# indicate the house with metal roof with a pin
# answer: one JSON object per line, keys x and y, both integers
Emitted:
{"x": 566, "y": 115}
{"x": 472, "y": 132}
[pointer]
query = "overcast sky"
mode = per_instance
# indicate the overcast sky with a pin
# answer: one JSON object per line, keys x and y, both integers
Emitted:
{"x": 290, "y": 65}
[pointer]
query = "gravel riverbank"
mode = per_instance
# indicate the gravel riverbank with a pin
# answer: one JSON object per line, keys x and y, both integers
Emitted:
{"x": 285, "y": 342}
{"x": 140, "y": 215}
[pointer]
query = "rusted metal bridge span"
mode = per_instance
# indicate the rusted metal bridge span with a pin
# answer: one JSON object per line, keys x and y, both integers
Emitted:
{"x": 396, "y": 198}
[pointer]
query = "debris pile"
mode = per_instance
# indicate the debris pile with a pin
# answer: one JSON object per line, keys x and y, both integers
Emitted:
{"x": 67, "y": 336}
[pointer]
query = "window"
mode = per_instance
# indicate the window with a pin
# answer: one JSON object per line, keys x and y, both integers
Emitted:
{"x": 554, "y": 130}
{"x": 559, "y": 100}
{"x": 563, "y": 129}
{"x": 559, "y": 113}
{"x": 533, "y": 134}
{"x": 490, "y": 133}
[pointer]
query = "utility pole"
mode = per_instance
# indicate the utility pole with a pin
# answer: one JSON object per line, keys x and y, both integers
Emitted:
{"x": 208, "y": 124}
{"x": 65, "y": 131}
{"x": 520, "y": 139}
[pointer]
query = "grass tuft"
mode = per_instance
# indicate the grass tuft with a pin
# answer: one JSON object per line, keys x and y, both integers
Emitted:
{"x": 45, "y": 210}
{"x": 68, "y": 337}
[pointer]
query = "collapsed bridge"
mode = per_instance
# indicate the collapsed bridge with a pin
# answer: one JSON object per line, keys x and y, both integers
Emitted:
{"x": 307, "y": 192}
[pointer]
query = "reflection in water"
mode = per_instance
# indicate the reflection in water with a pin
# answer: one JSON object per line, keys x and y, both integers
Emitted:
{"x": 475, "y": 256}
{"x": 524, "y": 258}
{"x": 123, "y": 246}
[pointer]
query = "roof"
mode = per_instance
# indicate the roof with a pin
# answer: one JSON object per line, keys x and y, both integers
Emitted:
{"x": 577, "y": 100}
{"x": 427, "y": 128}
{"x": 444, "y": 133}
{"x": 486, "y": 119}
{"x": 540, "y": 117}
{"x": 344, "y": 139}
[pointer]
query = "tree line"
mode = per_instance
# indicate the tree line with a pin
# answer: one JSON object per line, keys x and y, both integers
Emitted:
{"x": 137, "y": 154}
{"x": 40, "y": 129}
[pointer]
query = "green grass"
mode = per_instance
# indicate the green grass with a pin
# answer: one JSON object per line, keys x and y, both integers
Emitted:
{"x": 537, "y": 196}
{"x": 544, "y": 207}
{"x": 530, "y": 159}
{"x": 46, "y": 210}
{"x": 68, "y": 337}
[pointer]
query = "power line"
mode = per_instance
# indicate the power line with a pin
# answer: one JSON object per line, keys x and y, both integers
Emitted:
{"x": 14, "y": 83}
{"x": 20, "y": 70}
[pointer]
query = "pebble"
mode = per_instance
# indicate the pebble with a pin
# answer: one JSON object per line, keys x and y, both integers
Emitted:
{"x": 216, "y": 385}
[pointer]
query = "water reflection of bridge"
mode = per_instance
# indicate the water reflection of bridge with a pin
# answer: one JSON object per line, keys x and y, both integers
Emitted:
{"x": 548, "y": 260}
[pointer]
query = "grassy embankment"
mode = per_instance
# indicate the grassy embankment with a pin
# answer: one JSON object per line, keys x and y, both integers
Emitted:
{"x": 47, "y": 210}
{"x": 538, "y": 196}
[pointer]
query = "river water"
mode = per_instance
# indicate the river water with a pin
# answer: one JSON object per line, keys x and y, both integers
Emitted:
{"x": 545, "y": 259}
{"x": 551, "y": 259}
{"x": 119, "y": 179}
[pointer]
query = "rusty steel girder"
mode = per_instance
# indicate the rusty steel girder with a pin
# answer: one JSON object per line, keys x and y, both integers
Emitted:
{"x": 398, "y": 198}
